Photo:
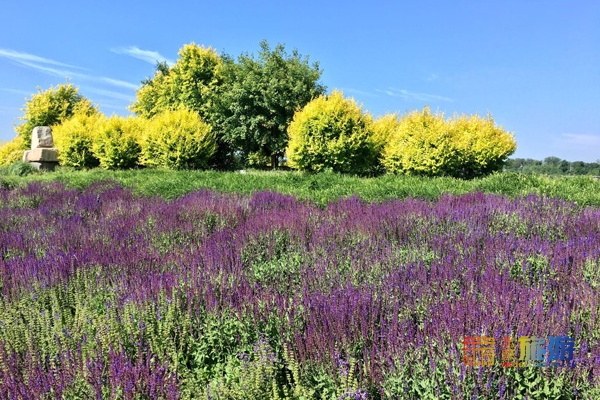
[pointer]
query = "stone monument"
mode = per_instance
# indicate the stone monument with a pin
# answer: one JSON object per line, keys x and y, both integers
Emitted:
{"x": 43, "y": 154}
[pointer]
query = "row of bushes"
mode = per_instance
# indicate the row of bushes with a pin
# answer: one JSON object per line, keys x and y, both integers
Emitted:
{"x": 86, "y": 138}
{"x": 330, "y": 133}
{"x": 333, "y": 133}
{"x": 172, "y": 139}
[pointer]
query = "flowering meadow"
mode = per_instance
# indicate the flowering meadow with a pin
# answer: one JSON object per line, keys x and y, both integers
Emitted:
{"x": 110, "y": 294}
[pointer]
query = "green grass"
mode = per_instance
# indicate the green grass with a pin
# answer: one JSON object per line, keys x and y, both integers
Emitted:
{"x": 324, "y": 187}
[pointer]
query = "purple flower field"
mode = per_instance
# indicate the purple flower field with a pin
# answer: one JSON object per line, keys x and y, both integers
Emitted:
{"x": 106, "y": 294}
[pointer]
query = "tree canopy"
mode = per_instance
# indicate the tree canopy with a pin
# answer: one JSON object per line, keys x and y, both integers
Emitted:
{"x": 191, "y": 82}
{"x": 50, "y": 107}
{"x": 249, "y": 101}
{"x": 260, "y": 97}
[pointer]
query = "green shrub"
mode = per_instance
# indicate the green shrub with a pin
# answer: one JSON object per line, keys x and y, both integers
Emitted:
{"x": 12, "y": 151}
{"x": 177, "y": 140}
{"x": 74, "y": 139}
{"x": 332, "y": 133}
{"x": 251, "y": 375}
{"x": 20, "y": 168}
{"x": 427, "y": 144}
{"x": 115, "y": 143}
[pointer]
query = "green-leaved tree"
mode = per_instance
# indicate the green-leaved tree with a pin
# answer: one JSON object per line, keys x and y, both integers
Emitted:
{"x": 259, "y": 99}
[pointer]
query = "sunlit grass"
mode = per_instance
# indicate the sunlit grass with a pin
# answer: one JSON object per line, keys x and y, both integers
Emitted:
{"x": 324, "y": 187}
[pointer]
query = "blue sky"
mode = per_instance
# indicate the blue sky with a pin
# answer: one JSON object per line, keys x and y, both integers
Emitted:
{"x": 533, "y": 64}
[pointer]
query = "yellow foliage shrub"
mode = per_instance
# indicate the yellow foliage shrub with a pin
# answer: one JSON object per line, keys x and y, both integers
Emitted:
{"x": 332, "y": 133}
{"x": 483, "y": 145}
{"x": 116, "y": 142}
{"x": 383, "y": 128}
{"x": 50, "y": 108}
{"x": 74, "y": 139}
{"x": 425, "y": 143}
{"x": 177, "y": 139}
{"x": 12, "y": 151}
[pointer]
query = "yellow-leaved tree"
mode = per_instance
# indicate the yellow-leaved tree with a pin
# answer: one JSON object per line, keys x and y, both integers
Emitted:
{"x": 49, "y": 108}
{"x": 190, "y": 82}
{"x": 45, "y": 108}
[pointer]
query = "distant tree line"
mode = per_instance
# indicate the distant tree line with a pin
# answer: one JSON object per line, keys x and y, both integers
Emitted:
{"x": 552, "y": 166}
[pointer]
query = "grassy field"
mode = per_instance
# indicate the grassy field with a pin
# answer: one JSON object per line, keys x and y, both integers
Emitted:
{"x": 325, "y": 187}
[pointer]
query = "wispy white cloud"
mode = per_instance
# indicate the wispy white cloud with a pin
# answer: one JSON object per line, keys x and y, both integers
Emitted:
{"x": 51, "y": 67}
{"x": 23, "y": 58}
{"x": 99, "y": 85}
{"x": 120, "y": 110}
{"x": 8, "y": 109}
{"x": 63, "y": 73}
{"x": 117, "y": 82}
{"x": 77, "y": 75}
{"x": 408, "y": 95}
{"x": 148, "y": 56}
